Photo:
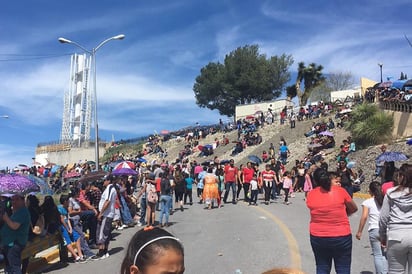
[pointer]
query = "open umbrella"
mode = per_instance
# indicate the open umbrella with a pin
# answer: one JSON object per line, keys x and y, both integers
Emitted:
{"x": 164, "y": 132}
{"x": 23, "y": 167}
{"x": 17, "y": 184}
{"x": 124, "y": 171}
{"x": 93, "y": 176}
{"x": 207, "y": 163}
{"x": 43, "y": 185}
{"x": 326, "y": 133}
{"x": 72, "y": 174}
{"x": 141, "y": 160}
{"x": 255, "y": 159}
{"x": 409, "y": 142}
{"x": 125, "y": 164}
{"x": 391, "y": 156}
{"x": 346, "y": 110}
{"x": 224, "y": 162}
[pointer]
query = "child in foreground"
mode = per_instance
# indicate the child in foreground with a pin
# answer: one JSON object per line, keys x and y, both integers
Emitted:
{"x": 153, "y": 250}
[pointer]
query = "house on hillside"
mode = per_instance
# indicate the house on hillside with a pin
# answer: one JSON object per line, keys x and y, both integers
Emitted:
{"x": 242, "y": 111}
{"x": 346, "y": 96}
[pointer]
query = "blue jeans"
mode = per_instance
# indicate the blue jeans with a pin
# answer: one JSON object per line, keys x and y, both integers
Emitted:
{"x": 83, "y": 243}
{"x": 165, "y": 203}
{"x": 381, "y": 264}
{"x": 125, "y": 212}
{"x": 229, "y": 185}
{"x": 143, "y": 205}
{"x": 338, "y": 249}
{"x": 274, "y": 191}
{"x": 13, "y": 259}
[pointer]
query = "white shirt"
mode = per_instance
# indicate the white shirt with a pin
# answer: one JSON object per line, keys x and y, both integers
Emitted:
{"x": 109, "y": 212}
{"x": 254, "y": 185}
{"x": 373, "y": 213}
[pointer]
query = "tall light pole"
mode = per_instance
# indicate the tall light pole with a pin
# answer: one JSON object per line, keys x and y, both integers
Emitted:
{"x": 4, "y": 116}
{"x": 380, "y": 66}
{"x": 92, "y": 53}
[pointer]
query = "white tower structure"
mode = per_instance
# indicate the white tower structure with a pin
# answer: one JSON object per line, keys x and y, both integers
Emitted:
{"x": 78, "y": 102}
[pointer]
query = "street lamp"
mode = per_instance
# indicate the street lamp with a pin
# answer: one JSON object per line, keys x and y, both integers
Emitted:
{"x": 5, "y": 116}
{"x": 380, "y": 66}
{"x": 92, "y": 53}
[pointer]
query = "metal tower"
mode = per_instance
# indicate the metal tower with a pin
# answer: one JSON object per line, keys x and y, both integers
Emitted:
{"x": 77, "y": 112}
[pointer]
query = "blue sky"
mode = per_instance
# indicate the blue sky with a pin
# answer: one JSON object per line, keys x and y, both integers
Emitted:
{"x": 144, "y": 82}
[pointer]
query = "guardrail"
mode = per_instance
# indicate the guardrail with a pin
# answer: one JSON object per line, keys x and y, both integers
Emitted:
{"x": 396, "y": 106}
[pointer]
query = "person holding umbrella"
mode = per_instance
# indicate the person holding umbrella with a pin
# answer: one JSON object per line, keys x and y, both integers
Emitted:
{"x": 14, "y": 233}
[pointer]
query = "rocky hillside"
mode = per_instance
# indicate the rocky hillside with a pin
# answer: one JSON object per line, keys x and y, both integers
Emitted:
{"x": 297, "y": 143}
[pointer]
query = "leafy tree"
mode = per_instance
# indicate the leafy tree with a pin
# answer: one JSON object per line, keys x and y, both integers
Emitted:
{"x": 340, "y": 81}
{"x": 246, "y": 76}
{"x": 291, "y": 92}
{"x": 310, "y": 77}
{"x": 320, "y": 93}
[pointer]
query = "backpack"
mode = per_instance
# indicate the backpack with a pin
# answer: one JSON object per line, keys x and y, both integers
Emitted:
{"x": 152, "y": 195}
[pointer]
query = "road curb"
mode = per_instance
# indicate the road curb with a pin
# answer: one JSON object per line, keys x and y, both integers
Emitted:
{"x": 361, "y": 195}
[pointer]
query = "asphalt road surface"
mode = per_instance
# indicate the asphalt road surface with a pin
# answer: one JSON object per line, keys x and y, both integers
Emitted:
{"x": 251, "y": 239}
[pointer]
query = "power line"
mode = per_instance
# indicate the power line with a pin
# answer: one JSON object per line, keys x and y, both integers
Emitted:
{"x": 27, "y": 57}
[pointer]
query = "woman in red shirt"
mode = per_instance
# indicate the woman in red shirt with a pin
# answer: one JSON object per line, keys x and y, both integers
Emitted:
{"x": 330, "y": 232}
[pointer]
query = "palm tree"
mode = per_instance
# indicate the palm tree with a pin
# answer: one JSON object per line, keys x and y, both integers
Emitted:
{"x": 311, "y": 76}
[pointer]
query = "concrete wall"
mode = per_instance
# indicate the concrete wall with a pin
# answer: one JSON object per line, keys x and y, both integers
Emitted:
{"x": 402, "y": 123}
{"x": 73, "y": 155}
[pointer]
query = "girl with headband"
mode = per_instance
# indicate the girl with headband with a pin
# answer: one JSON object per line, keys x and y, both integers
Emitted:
{"x": 153, "y": 250}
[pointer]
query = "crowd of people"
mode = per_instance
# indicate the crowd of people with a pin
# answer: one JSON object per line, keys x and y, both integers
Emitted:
{"x": 150, "y": 198}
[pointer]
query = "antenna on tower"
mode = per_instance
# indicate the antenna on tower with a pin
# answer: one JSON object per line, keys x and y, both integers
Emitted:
{"x": 409, "y": 42}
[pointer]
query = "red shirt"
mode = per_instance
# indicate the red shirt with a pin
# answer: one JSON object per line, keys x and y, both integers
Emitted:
{"x": 247, "y": 175}
{"x": 268, "y": 175}
{"x": 158, "y": 180}
{"x": 230, "y": 174}
{"x": 328, "y": 212}
{"x": 386, "y": 186}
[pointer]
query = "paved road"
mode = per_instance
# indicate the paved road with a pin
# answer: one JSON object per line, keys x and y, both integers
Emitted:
{"x": 250, "y": 238}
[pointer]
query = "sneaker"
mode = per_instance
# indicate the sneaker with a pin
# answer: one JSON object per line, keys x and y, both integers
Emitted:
{"x": 83, "y": 260}
{"x": 95, "y": 257}
{"x": 124, "y": 226}
{"x": 78, "y": 260}
{"x": 105, "y": 255}
{"x": 139, "y": 224}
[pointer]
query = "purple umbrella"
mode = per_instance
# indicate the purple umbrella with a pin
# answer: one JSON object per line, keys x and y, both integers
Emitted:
{"x": 124, "y": 171}
{"x": 17, "y": 184}
{"x": 326, "y": 133}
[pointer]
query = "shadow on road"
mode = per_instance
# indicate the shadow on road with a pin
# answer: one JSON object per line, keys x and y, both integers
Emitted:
{"x": 115, "y": 250}
{"x": 54, "y": 267}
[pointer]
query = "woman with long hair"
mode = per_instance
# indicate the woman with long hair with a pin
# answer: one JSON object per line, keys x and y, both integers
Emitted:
{"x": 395, "y": 222}
{"x": 371, "y": 209}
{"x": 51, "y": 215}
{"x": 330, "y": 231}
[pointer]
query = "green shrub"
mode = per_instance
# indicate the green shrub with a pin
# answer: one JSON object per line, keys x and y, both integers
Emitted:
{"x": 370, "y": 126}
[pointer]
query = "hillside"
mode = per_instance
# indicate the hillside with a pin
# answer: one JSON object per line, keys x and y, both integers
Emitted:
{"x": 296, "y": 141}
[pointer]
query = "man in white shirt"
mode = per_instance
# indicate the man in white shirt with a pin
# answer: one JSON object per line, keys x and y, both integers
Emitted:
{"x": 105, "y": 217}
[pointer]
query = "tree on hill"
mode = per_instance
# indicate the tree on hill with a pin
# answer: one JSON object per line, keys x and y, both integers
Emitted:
{"x": 245, "y": 77}
{"x": 334, "y": 82}
{"x": 339, "y": 81}
{"x": 310, "y": 76}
